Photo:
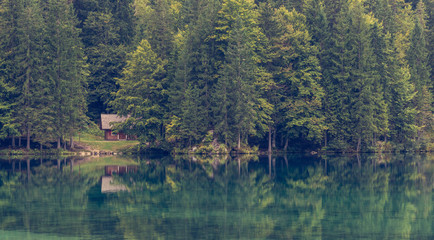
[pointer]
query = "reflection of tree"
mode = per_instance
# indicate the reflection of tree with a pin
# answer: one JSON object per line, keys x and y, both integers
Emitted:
{"x": 43, "y": 199}
{"x": 378, "y": 198}
{"x": 297, "y": 198}
{"x": 244, "y": 201}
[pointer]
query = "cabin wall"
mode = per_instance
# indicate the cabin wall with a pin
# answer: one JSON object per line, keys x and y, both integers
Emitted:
{"x": 109, "y": 135}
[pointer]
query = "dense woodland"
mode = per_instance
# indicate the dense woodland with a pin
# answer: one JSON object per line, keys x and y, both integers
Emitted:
{"x": 341, "y": 75}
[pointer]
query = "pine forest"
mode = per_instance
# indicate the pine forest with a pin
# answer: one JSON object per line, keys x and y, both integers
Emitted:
{"x": 276, "y": 75}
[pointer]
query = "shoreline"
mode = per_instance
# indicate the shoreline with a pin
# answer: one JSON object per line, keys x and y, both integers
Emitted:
{"x": 96, "y": 152}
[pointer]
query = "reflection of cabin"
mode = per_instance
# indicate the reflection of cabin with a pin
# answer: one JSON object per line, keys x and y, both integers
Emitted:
{"x": 119, "y": 170}
{"x": 106, "y": 124}
{"x": 107, "y": 184}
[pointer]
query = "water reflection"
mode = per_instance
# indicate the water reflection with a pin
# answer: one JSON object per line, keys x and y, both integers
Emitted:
{"x": 220, "y": 197}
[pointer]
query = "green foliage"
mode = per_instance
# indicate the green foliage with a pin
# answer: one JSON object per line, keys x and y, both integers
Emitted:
{"x": 142, "y": 94}
{"x": 299, "y": 78}
{"x": 333, "y": 74}
{"x": 7, "y": 127}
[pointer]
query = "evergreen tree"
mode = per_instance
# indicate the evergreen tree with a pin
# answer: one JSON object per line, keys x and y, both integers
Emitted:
{"x": 364, "y": 95}
{"x": 242, "y": 111}
{"x": 399, "y": 93}
{"x": 121, "y": 11}
{"x": 356, "y": 109}
{"x": 66, "y": 69}
{"x": 336, "y": 65}
{"x": 193, "y": 119}
{"x": 28, "y": 57}
{"x": 157, "y": 23}
{"x": 7, "y": 127}
{"x": 9, "y": 69}
{"x": 142, "y": 95}
{"x": 418, "y": 59}
{"x": 106, "y": 58}
{"x": 299, "y": 78}
{"x": 203, "y": 57}
{"x": 269, "y": 89}
{"x": 192, "y": 125}
{"x": 317, "y": 23}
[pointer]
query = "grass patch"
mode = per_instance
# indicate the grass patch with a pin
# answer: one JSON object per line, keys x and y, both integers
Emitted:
{"x": 32, "y": 152}
{"x": 98, "y": 142}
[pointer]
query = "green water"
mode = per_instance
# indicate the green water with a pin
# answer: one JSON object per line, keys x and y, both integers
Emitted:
{"x": 291, "y": 197}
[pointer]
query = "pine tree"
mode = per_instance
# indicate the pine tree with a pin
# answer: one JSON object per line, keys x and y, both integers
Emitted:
{"x": 418, "y": 59}
{"x": 242, "y": 111}
{"x": 157, "y": 23}
{"x": 268, "y": 88}
{"x": 299, "y": 78}
{"x": 9, "y": 14}
{"x": 106, "y": 58}
{"x": 354, "y": 104}
{"x": 336, "y": 64}
{"x": 66, "y": 69}
{"x": 399, "y": 93}
{"x": 364, "y": 95}
{"x": 7, "y": 127}
{"x": 398, "y": 90}
{"x": 143, "y": 95}
{"x": 28, "y": 57}
{"x": 316, "y": 22}
{"x": 193, "y": 119}
{"x": 204, "y": 59}
{"x": 192, "y": 124}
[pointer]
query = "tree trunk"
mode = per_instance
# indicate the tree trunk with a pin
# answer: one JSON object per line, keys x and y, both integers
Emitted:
{"x": 358, "y": 160}
{"x": 71, "y": 164}
{"x": 72, "y": 142}
{"x": 286, "y": 144}
{"x": 359, "y": 143}
{"x": 274, "y": 138}
{"x": 325, "y": 139}
{"x": 19, "y": 141}
{"x": 40, "y": 147}
{"x": 28, "y": 170}
{"x": 269, "y": 140}
{"x": 13, "y": 141}
{"x": 269, "y": 165}
{"x": 239, "y": 140}
{"x": 325, "y": 166}
{"x": 28, "y": 138}
{"x": 239, "y": 166}
{"x": 58, "y": 143}
{"x": 286, "y": 160}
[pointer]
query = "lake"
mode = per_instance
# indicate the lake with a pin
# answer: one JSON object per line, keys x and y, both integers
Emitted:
{"x": 245, "y": 197}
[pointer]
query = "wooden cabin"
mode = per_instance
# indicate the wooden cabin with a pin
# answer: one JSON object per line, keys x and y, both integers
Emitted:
{"x": 106, "y": 124}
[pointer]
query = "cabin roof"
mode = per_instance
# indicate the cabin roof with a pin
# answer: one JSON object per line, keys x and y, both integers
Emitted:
{"x": 107, "y": 119}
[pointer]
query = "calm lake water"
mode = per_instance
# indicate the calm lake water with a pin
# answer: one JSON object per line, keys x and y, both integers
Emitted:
{"x": 278, "y": 197}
